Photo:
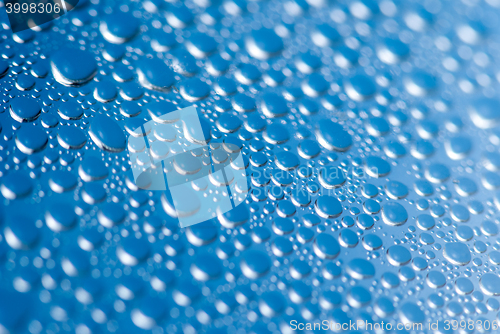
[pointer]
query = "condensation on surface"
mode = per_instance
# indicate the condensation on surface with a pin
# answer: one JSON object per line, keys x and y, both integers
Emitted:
{"x": 369, "y": 133}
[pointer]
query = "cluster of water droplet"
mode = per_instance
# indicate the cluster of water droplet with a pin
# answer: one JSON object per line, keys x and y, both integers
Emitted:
{"x": 370, "y": 136}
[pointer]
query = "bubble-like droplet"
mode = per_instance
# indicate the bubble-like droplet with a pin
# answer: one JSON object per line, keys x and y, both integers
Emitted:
{"x": 132, "y": 251}
{"x": 309, "y": 149}
{"x": 90, "y": 239}
{"x": 360, "y": 269}
{"x": 490, "y": 284}
{"x": 201, "y": 45}
{"x": 464, "y": 286}
{"x": 383, "y": 307}
{"x": 235, "y": 217}
{"x": 325, "y": 35}
{"x": 194, "y": 89}
{"x": 148, "y": 312}
{"x": 331, "y": 271}
{"x": 264, "y": 43}
{"x": 458, "y": 147}
{"x": 328, "y": 207}
{"x": 365, "y": 174}
{"x": 435, "y": 301}
{"x": 274, "y": 105}
{"x": 331, "y": 177}
{"x": 179, "y": 16}
{"x": 392, "y": 51}
{"x": 437, "y": 173}
{"x": 492, "y": 161}
{"x": 457, "y": 253}
{"x": 205, "y": 267}
{"x": 70, "y": 110}
{"x": 105, "y": 91}
{"x": 360, "y": 87}
{"x": 111, "y": 214}
{"x": 314, "y": 85}
{"x": 411, "y": 313}
{"x": 23, "y": 109}
{"x": 73, "y": 67}
{"x": 16, "y": 185}
{"x": 464, "y": 233}
{"x": 427, "y": 129}
{"x": 255, "y": 264}
{"x": 326, "y": 247}
{"x": 348, "y": 238}
{"x": 485, "y": 113}
{"x": 21, "y": 233}
{"x": 196, "y": 130}
{"x": 107, "y": 134}
{"x": 71, "y": 138}
{"x": 62, "y": 181}
{"x": 154, "y": 74}
{"x": 372, "y": 242}
{"x": 377, "y": 126}
{"x": 332, "y": 136}
{"x": 460, "y": 213}
{"x": 358, "y": 297}
{"x": 422, "y": 149}
{"x": 31, "y": 139}
{"x": 420, "y": 83}
{"x": 272, "y": 304}
{"x": 398, "y": 255}
{"x": 307, "y": 62}
{"x": 276, "y": 134}
{"x": 92, "y": 169}
{"x": 390, "y": 280}
{"x": 60, "y": 217}
{"x": 4, "y": 67}
{"x": 377, "y": 167}
{"x": 346, "y": 57}
{"x": 396, "y": 190}
{"x": 119, "y": 27}
{"x": 489, "y": 228}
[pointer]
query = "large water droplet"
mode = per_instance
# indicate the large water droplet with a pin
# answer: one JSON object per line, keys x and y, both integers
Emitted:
{"x": 73, "y": 67}
{"x": 119, "y": 27}
{"x": 457, "y": 253}
{"x": 107, "y": 134}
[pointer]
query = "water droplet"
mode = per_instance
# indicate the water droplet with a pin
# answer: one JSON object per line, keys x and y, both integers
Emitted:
{"x": 490, "y": 284}
{"x": 73, "y": 67}
{"x": 485, "y": 113}
{"x": 360, "y": 269}
{"x": 23, "y": 109}
{"x": 326, "y": 247}
{"x": 119, "y": 27}
{"x": 154, "y": 74}
{"x": 255, "y": 264}
{"x": 264, "y": 43}
{"x": 31, "y": 139}
{"x": 398, "y": 255}
{"x": 328, "y": 207}
{"x": 16, "y": 185}
{"x": 457, "y": 253}
{"x": 332, "y": 136}
{"x": 360, "y": 87}
{"x": 107, "y": 134}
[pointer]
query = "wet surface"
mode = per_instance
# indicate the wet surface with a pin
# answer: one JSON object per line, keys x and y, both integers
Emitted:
{"x": 370, "y": 137}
